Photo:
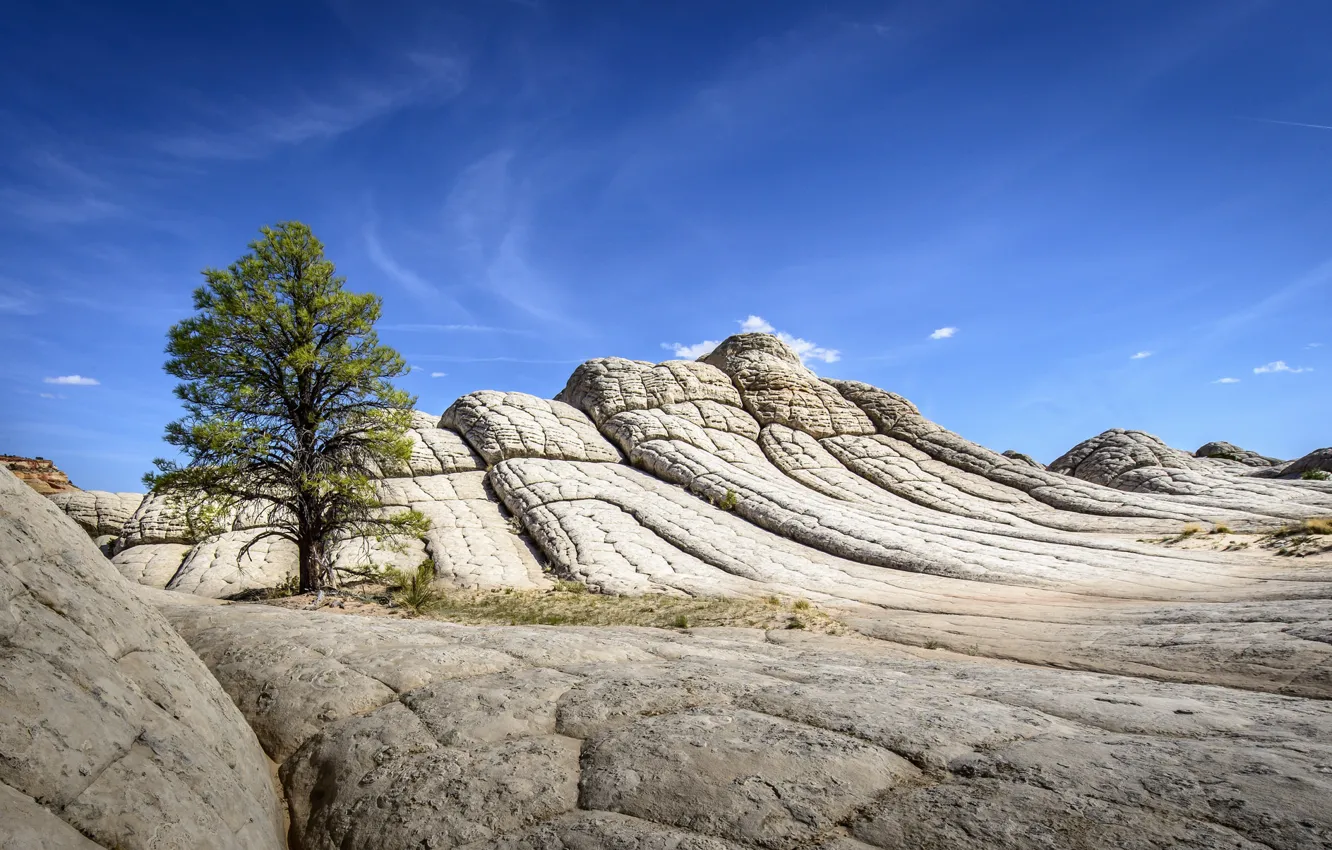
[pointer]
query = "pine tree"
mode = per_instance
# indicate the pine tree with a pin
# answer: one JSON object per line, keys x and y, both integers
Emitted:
{"x": 290, "y": 409}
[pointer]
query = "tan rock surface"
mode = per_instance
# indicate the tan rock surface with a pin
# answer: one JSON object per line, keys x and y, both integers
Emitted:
{"x": 730, "y": 738}
{"x": 108, "y": 723}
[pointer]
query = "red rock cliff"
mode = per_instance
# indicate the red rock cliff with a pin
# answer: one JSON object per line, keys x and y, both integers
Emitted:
{"x": 38, "y": 473}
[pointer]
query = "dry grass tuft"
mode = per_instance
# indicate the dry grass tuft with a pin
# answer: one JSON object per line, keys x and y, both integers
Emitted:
{"x": 1302, "y": 539}
{"x": 1318, "y": 525}
{"x": 566, "y": 606}
{"x": 567, "y": 603}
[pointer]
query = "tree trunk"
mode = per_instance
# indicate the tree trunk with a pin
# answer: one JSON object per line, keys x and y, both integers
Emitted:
{"x": 311, "y": 570}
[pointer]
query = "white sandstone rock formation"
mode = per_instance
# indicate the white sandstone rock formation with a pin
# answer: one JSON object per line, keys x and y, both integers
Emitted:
{"x": 112, "y": 733}
{"x": 97, "y": 511}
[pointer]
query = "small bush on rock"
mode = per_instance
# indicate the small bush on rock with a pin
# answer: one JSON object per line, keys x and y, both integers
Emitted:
{"x": 1314, "y": 475}
{"x": 414, "y": 591}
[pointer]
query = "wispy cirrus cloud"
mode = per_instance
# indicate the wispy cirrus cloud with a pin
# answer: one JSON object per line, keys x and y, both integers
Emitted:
{"x": 72, "y": 381}
{"x": 943, "y": 333}
{"x": 1279, "y": 366}
{"x": 405, "y": 277}
{"x": 294, "y": 117}
{"x": 1290, "y": 123}
{"x": 488, "y": 221}
{"x": 1141, "y": 355}
{"x": 439, "y": 374}
{"x": 17, "y": 299}
{"x": 1226, "y": 381}
{"x": 58, "y": 208}
{"x": 804, "y": 349}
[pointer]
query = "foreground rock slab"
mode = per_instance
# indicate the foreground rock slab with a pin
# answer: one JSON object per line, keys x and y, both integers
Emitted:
{"x": 112, "y": 733}
{"x": 414, "y": 733}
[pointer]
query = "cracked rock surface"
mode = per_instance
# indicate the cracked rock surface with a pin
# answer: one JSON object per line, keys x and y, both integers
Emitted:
{"x": 506, "y": 425}
{"x": 97, "y": 511}
{"x": 112, "y": 733}
{"x": 401, "y": 734}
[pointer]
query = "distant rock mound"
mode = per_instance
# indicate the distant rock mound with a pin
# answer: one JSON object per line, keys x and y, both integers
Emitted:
{"x": 1138, "y": 462}
{"x": 1318, "y": 460}
{"x": 1222, "y": 450}
{"x": 38, "y": 473}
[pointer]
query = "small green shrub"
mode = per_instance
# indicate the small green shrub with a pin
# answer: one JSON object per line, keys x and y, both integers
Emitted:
{"x": 1314, "y": 475}
{"x": 1190, "y": 530}
{"x": 773, "y": 600}
{"x": 795, "y": 623}
{"x": 932, "y": 644}
{"x": 1221, "y": 528}
{"x": 801, "y": 605}
{"x": 680, "y": 622}
{"x": 729, "y": 501}
{"x": 414, "y": 591}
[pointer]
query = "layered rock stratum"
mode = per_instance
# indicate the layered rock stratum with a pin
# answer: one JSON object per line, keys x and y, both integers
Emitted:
{"x": 1034, "y": 666}
{"x": 38, "y": 473}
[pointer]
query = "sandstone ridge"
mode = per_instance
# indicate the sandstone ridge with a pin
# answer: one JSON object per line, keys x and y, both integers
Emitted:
{"x": 1097, "y": 654}
{"x": 746, "y": 474}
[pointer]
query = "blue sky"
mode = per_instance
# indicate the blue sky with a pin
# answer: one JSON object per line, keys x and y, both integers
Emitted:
{"x": 1113, "y": 206}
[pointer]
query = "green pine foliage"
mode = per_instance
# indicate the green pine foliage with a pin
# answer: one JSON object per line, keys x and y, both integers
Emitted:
{"x": 288, "y": 400}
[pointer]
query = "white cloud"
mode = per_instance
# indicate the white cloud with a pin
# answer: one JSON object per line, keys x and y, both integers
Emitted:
{"x": 73, "y": 381}
{"x": 50, "y": 395}
{"x": 943, "y": 333}
{"x": 1278, "y": 366}
{"x": 1226, "y": 381}
{"x": 807, "y": 350}
{"x": 1141, "y": 355}
{"x": 691, "y": 352}
{"x": 438, "y": 374}
{"x": 1314, "y": 345}
{"x": 804, "y": 349}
